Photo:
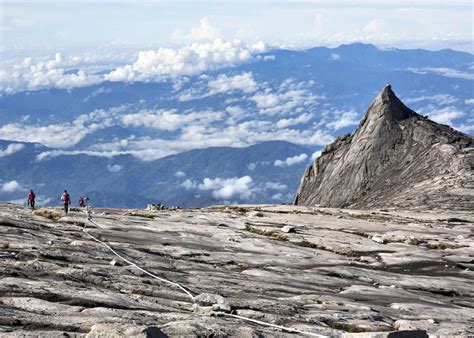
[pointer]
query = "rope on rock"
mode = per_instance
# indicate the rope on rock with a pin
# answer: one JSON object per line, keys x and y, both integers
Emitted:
{"x": 89, "y": 219}
{"x": 273, "y": 325}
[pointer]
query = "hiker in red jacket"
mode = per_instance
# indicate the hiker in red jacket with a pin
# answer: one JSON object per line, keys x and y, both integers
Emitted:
{"x": 31, "y": 199}
{"x": 66, "y": 199}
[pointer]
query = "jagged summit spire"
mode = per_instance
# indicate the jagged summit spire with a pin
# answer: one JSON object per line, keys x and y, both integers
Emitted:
{"x": 395, "y": 158}
{"x": 386, "y": 105}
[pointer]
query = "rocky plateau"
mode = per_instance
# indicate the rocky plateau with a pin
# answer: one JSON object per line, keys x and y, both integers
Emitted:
{"x": 323, "y": 271}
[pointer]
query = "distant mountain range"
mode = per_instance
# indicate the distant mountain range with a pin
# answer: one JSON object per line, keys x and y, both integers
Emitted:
{"x": 237, "y": 134}
{"x": 176, "y": 180}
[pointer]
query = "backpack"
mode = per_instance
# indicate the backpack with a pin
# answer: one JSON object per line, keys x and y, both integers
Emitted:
{"x": 66, "y": 198}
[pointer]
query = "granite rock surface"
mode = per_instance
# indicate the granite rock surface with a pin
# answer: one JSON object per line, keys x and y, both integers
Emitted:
{"x": 340, "y": 273}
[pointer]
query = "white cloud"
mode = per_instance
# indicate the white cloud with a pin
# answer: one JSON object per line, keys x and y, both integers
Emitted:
{"x": 375, "y": 26}
{"x": 303, "y": 118}
{"x": 204, "y": 31}
{"x": 229, "y": 187}
{"x": 269, "y": 58}
{"x": 442, "y": 99}
{"x": 252, "y": 166}
{"x": 236, "y": 113}
{"x": 180, "y": 174}
{"x": 290, "y": 97}
{"x": 266, "y": 100}
{"x": 33, "y": 75}
{"x": 278, "y": 196}
{"x": 114, "y": 168}
{"x": 335, "y": 56}
{"x": 11, "y": 149}
{"x": 291, "y": 160}
{"x": 58, "y": 135}
{"x": 466, "y": 128}
{"x": 169, "y": 120}
{"x": 446, "y": 72}
{"x": 345, "y": 119}
{"x": 189, "y": 184}
{"x": 469, "y": 101}
{"x": 446, "y": 115}
{"x": 149, "y": 66}
{"x": 223, "y": 83}
{"x": 188, "y": 60}
{"x": 275, "y": 186}
{"x": 315, "y": 155}
{"x": 97, "y": 92}
{"x": 11, "y": 186}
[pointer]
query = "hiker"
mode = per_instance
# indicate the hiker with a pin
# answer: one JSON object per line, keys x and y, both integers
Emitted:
{"x": 66, "y": 199}
{"x": 31, "y": 199}
{"x": 82, "y": 202}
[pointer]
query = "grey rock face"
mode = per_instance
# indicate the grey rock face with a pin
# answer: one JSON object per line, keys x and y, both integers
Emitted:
{"x": 396, "y": 158}
{"x": 328, "y": 278}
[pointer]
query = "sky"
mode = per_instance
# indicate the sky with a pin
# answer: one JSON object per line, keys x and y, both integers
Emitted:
{"x": 40, "y": 28}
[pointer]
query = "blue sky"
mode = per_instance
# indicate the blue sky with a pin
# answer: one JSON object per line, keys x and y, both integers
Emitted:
{"x": 39, "y": 28}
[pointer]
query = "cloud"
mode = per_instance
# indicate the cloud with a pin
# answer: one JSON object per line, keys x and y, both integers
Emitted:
{"x": 194, "y": 59}
{"x": 149, "y": 66}
{"x": 291, "y": 160}
{"x": 223, "y": 83}
{"x": 97, "y": 92}
{"x": 266, "y": 99}
{"x": 180, "y": 174}
{"x": 375, "y": 26}
{"x": 275, "y": 186}
{"x": 58, "y": 135}
{"x": 345, "y": 119}
{"x": 290, "y": 97}
{"x": 446, "y": 72}
{"x": 168, "y": 119}
{"x": 315, "y": 155}
{"x": 442, "y": 99}
{"x": 114, "y": 168}
{"x": 235, "y": 110}
{"x": 33, "y": 75}
{"x": 469, "y": 101}
{"x": 11, "y": 149}
{"x": 204, "y": 31}
{"x": 466, "y": 128}
{"x": 252, "y": 166}
{"x": 303, "y": 118}
{"x": 11, "y": 186}
{"x": 229, "y": 187}
{"x": 269, "y": 58}
{"x": 446, "y": 115}
{"x": 189, "y": 184}
{"x": 277, "y": 196}
{"x": 335, "y": 56}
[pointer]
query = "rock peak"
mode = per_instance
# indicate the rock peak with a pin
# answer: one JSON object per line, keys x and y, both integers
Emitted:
{"x": 394, "y": 158}
{"x": 387, "y": 91}
{"x": 386, "y": 106}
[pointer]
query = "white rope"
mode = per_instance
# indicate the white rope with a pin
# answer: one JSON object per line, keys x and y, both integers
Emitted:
{"x": 275, "y": 326}
{"x": 89, "y": 219}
